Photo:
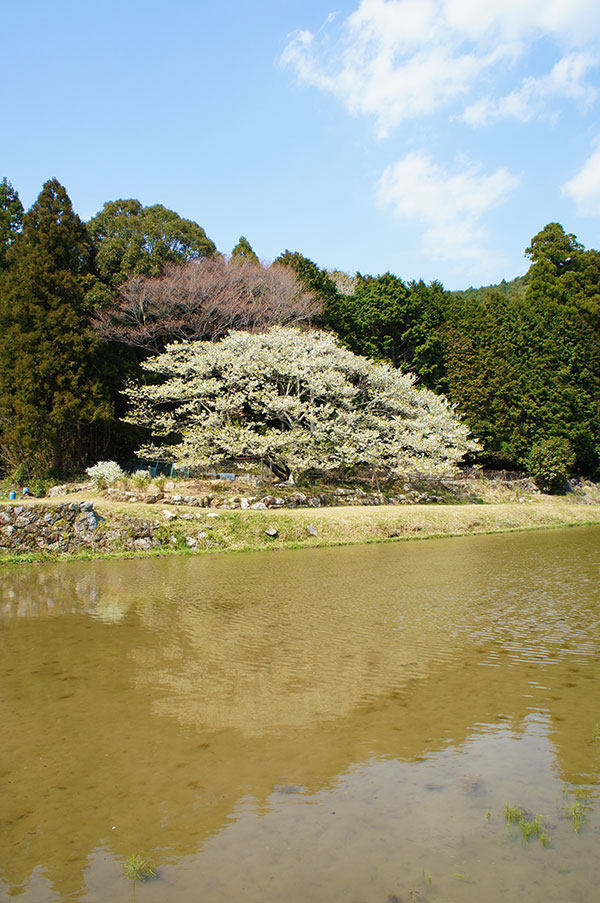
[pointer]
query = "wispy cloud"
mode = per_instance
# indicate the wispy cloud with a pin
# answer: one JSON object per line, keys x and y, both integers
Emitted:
{"x": 534, "y": 97}
{"x": 584, "y": 187}
{"x": 450, "y": 206}
{"x": 400, "y": 59}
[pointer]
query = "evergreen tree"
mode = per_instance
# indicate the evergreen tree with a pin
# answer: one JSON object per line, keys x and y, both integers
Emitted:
{"x": 11, "y": 219}
{"x": 130, "y": 239}
{"x": 525, "y": 371}
{"x": 487, "y": 380}
{"x": 313, "y": 279}
{"x": 244, "y": 251}
{"x": 372, "y": 321}
{"x": 386, "y": 319}
{"x": 562, "y": 306}
{"x": 51, "y": 391}
{"x": 555, "y": 247}
{"x": 423, "y": 334}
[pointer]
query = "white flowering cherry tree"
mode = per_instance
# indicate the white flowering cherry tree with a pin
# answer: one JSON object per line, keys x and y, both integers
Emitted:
{"x": 295, "y": 401}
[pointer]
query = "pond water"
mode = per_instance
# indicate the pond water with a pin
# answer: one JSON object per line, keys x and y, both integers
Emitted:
{"x": 318, "y": 725}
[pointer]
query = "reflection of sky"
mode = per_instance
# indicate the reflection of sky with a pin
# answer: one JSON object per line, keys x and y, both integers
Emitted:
{"x": 378, "y": 829}
{"x": 226, "y": 677}
{"x": 258, "y": 642}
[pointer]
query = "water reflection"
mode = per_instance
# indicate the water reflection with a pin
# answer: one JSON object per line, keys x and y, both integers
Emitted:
{"x": 186, "y": 706}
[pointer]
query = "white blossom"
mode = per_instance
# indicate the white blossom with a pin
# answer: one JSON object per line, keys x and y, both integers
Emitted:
{"x": 296, "y": 401}
{"x": 105, "y": 473}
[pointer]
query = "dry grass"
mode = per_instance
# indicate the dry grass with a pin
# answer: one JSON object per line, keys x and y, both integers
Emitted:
{"x": 367, "y": 524}
{"x": 244, "y": 530}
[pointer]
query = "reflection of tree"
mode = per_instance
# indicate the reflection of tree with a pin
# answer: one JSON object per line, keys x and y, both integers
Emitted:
{"x": 288, "y": 667}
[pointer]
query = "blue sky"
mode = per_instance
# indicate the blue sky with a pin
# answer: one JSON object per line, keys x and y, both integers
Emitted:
{"x": 431, "y": 138}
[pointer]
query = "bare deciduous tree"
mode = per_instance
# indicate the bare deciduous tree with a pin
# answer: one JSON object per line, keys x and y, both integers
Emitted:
{"x": 203, "y": 300}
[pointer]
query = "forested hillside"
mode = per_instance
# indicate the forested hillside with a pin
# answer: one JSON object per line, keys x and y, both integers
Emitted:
{"x": 514, "y": 289}
{"x": 83, "y": 305}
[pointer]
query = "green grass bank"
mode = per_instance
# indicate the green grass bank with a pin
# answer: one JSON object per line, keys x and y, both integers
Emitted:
{"x": 85, "y": 525}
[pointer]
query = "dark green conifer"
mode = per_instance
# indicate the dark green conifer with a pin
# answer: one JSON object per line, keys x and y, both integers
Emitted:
{"x": 244, "y": 251}
{"x": 526, "y": 370}
{"x": 313, "y": 279}
{"x": 11, "y": 219}
{"x": 51, "y": 391}
{"x": 372, "y": 320}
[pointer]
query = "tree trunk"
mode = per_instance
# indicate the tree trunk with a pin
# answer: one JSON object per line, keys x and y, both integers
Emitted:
{"x": 279, "y": 470}
{"x": 56, "y": 453}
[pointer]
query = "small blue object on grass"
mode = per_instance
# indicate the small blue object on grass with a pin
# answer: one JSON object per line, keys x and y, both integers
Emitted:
{"x": 12, "y": 495}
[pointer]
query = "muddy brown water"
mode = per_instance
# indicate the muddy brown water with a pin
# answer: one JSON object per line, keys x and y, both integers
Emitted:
{"x": 317, "y": 725}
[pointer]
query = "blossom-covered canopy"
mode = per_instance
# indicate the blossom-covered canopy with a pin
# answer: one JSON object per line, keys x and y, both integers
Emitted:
{"x": 296, "y": 401}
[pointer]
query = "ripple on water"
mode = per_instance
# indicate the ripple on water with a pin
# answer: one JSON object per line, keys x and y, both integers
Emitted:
{"x": 304, "y": 726}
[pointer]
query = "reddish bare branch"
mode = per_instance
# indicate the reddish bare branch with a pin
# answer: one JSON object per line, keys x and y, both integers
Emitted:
{"x": 205, "y": 300}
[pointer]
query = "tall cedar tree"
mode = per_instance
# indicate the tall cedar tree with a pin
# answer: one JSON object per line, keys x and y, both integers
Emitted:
{"x": 11, "y": 219}
{"x": 312, "y": 278}
{"x": 371, "y": 321}
{"x": 526, "y": 370}
{"x": 423, "y": 335}
{"x": 386, "y": 319}
{"x": 51, "y": 393}
{"x": 244, "y": 251}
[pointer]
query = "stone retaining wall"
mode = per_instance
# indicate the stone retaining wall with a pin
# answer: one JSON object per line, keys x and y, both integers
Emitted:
{"x": 70, "y": 528}
{"x": 334, "y": 498}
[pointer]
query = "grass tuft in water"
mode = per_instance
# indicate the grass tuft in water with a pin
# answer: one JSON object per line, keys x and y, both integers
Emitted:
{"x": 139, "y": 869}
{"x": 512, "y": 814}
{"x": 576, "y": 812}
{"x": 530, "y": 827}
{"x": 596, "y": 733}
{"x": 576, "y": 815}
{"x": 428, "y": 879}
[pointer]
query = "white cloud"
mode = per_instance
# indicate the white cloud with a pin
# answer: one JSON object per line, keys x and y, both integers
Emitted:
{"x": 584, "y": 187}
{"x": 450, "y": 206}
{"x": 396, "y": 59}
{"x": 574, "y": 23}
{"x": 565, "y": 80}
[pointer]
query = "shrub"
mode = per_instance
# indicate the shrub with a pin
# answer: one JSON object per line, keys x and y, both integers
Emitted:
{"x": 549, "y": 463}
{"x": 140, "y": 478}
{"x": 38, "y": 486}
{"x": 105, "y": 473}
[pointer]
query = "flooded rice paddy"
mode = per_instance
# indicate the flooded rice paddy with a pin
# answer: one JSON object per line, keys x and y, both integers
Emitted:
{"x": 319, "y": 725}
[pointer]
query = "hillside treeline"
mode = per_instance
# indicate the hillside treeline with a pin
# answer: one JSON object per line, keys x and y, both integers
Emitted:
{"x": 82, "y": 305}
